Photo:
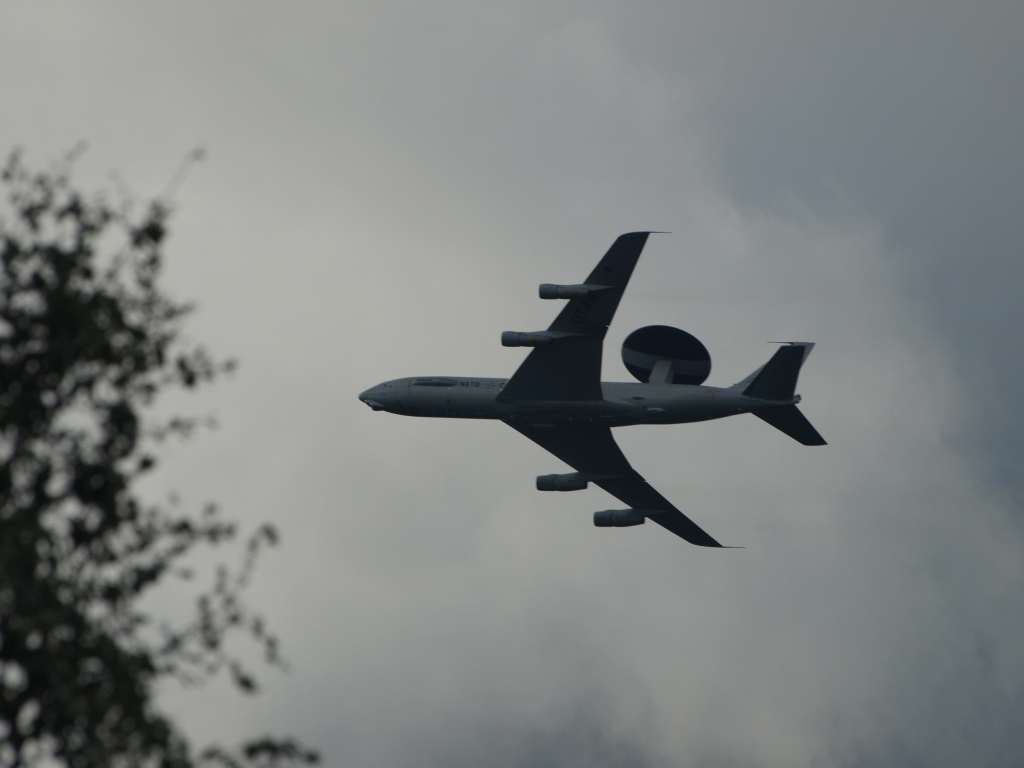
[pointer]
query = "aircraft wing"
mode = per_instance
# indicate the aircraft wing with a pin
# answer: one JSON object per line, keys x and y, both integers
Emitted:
{"x": 593, "y": 451}
{"x": 569, "y": 368}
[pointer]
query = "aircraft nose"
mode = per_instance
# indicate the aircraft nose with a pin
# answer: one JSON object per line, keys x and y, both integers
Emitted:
{"x": 372, "y": 397}
{"x": 386, "y": 396}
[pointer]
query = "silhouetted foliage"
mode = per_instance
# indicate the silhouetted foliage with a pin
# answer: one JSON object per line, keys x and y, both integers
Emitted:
{"x": 87, "y": 342}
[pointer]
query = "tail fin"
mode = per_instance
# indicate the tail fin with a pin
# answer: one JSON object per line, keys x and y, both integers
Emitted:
{"x": 788, "y": 419}
{"x": 776, "y": 379}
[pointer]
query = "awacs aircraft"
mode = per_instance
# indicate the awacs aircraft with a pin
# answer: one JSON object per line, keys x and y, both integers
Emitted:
{"x": 557, "y": 398}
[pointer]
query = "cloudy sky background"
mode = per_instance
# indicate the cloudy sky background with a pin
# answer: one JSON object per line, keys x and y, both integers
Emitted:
{"x": 386, "y": 185}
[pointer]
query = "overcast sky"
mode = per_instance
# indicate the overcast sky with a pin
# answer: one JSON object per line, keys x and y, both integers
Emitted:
{"x": 385, "y": 186}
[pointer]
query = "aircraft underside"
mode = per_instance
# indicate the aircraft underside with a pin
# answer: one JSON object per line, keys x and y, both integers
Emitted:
{"x": 556, "y": 397}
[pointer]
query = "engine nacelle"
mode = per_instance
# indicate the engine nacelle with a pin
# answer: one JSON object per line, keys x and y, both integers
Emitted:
{"x": 618, "y": 518}
{"x": 520, "y": 339}
{"x": 686, "y": 360}
{"x": 552, "y": 291}
{"x": 573, "y": 481}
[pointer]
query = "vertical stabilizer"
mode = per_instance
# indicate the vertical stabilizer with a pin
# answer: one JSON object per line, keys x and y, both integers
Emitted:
{"x": 776, "y": 379}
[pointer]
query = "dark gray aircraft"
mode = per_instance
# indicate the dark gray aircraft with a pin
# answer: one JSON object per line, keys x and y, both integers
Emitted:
{"x": 557, "y": 398}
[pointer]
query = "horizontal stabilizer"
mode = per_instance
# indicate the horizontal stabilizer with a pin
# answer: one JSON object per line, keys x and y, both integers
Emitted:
{"x": 788, "y": 419}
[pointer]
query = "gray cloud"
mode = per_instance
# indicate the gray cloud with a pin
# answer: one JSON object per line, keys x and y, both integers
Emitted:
{"x": 387, "y": 186}
{"x": 911, "y": 111}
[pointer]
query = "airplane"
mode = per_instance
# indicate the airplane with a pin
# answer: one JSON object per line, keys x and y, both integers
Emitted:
{"x": 557, "y": 399}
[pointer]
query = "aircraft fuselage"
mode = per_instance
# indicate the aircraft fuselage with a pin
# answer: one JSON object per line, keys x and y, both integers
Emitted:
{"x": 623, "y": 403}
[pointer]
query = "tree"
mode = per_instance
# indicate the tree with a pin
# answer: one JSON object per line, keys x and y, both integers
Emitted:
{"x": 87, "y": 343}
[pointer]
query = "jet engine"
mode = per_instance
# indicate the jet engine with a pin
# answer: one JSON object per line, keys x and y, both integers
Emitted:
{"x": 573, "y": 481}
{"x": 520, "y": 339}
{"x": 552, "y": 291}
{"x": 618, "y": 518}
{"x": 689, "y": 359}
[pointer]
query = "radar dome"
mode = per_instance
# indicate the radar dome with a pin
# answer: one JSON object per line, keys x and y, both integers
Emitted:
{"x": 645, "y": 346}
